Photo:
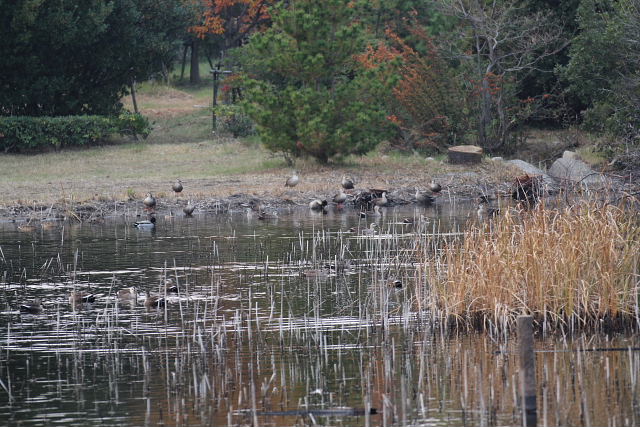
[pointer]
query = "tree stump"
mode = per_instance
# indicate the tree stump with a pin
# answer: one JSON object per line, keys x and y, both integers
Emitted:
{"x": 461, "y": 154}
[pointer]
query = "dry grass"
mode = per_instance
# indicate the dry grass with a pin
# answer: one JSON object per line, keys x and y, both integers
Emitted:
{"x": 182, "y": 146}
{"x": 217, "y": 169}
{"x": 575, "y": 267}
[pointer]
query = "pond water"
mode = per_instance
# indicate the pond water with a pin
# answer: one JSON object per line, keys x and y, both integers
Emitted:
{"x": 278, "y": 322}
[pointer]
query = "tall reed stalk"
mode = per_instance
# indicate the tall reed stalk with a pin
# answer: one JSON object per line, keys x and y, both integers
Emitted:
{"x": 571, "y": 268}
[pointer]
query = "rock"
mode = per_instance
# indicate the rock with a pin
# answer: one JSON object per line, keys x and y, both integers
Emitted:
{"x": 570, "y": 169}
{"x": 461, "y": 154}
{"x": 497, "y": 159}
{"x": 550, "y": 184}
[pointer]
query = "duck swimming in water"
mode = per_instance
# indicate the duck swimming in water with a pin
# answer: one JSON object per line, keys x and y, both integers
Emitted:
{"x": 33, "y": 307}
{"x": 146, "y": 224}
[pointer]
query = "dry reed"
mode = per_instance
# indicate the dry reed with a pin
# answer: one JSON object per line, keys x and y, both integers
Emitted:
{"x": 572, "y": 268}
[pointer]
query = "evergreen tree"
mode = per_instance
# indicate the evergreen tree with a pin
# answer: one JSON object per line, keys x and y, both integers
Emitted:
{"x": 306, "y": 92}
{"x": 79, "y": 56}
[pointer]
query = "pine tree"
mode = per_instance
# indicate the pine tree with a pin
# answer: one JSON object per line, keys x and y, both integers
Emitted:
{"x": 306, "y": 91}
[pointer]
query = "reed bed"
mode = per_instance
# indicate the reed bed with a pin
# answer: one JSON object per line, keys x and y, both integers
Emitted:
{"x": 573, "y": 268}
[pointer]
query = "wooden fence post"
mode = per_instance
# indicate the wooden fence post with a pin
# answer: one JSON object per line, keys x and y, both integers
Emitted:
{"x": 527, "y": 371}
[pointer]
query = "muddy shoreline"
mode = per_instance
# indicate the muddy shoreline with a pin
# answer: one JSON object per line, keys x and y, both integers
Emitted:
{"x": 96, "y": 210}
{"x": 99, "y": 200}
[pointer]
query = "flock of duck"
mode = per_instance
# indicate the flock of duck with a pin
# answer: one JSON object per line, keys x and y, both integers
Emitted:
{"x": 526, "y": 190}
{"x": 79, "y": 300}
{"x": 369, "y": 202}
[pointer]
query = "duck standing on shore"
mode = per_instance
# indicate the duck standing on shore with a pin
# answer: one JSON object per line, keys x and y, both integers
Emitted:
{"x": 340, "y": 198}
{"x": 149, "y": 202}
{"x": 347, "y": 183}
{"x": 435, "y": 187}
{"x": 177, "y": 187}
{"x": 293, "y": 180}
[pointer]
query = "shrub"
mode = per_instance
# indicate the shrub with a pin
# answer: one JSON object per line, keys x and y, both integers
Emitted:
{"x": 232, "y": 120}
{"x": 22, "y": 133}
{"x": 134, "y": 124}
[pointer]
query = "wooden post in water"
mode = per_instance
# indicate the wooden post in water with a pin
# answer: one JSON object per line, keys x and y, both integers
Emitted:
{"x": 527, "y": 371}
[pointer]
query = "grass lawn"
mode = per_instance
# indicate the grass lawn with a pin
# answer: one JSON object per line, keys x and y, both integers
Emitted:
{"x": 210, "y": 166}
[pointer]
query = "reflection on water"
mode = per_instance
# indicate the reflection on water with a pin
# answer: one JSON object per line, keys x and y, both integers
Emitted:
{"x": 293, "y": 313}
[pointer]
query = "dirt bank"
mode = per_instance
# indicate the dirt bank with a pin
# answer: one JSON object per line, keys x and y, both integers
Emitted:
{"x": 86, "y": 199}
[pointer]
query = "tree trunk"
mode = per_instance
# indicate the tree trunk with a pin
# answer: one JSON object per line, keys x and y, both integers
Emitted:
{"x": 485, "y": 112}
{"x": 135, "y": 104}
{"x": 485, "y": 104}
{"x": 184, "y": 60}
{"x": 133, "y": 96}
{"x": 461, "y": 154}
{"x": 194, "y": 74}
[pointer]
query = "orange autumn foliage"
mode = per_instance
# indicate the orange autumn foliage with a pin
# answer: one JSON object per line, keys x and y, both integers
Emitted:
{"x": 236, "y": 16}
{"x": 427, "y": 101}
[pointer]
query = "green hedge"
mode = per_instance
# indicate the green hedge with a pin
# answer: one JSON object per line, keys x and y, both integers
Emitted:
{"x": 24, "y": 133}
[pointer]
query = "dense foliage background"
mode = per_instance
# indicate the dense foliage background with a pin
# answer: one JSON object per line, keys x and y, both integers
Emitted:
{"x": 336, "y": 77}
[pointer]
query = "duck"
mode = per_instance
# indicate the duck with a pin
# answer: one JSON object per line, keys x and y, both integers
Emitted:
{"x": 153, "y": 301}
{"x": 177, "y": 186}
{"x": 380, "y": 201}
{"x": 33, "y": 307}
{"x": 485, "y": 211}
{"x": 77, "y": 298}
{"x": 146, "y": 224}
{"x": 374, "y": 212}
{"x": 371, "y": 230}
{"x": 293, "y": 180}
{"x": 424, "y": 198}
{"x": 421, "y": 220}
{"x": 27, "y": 228}
{"x": 347, "y": 183}
{"x": 340, "y": 198}
{"x": 435, "y": 187}
{"x": 262, "y": 215}
{"x": 49, "y": 224}
{"x": 318, "y": 272}
{"x": 395, "y": 284}
{"x": 170, "y": 287}
{"x": 317, "y": 204}
{"x": 127, "y": 295}
{"x": 527, "y": 190}
{"x": 149, "y": 202}
{"x": 188, "y": 210}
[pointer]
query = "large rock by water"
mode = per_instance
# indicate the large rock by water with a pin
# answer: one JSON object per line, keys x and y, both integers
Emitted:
{"x": 570, "y": 169}
{"x": 548, "y": 182}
